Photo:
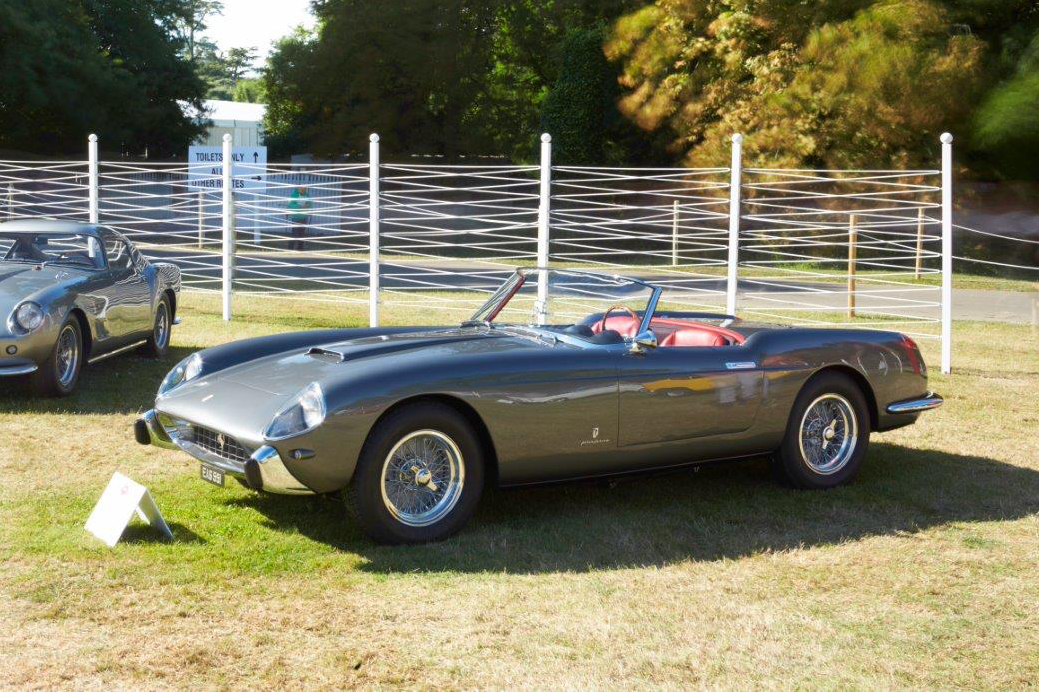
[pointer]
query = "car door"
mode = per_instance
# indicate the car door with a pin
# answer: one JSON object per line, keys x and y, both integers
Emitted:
{"x": 554, "y": 416}
{"x": 127, "y": 293}
{"x": 687, "y": 392}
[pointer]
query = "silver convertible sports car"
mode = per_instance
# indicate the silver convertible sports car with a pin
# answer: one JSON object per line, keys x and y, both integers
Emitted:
{"x": 74, "y": 292}
{"x": 560, "y": 375}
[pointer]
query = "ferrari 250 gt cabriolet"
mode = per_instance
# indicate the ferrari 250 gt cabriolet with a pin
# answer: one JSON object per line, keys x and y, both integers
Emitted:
{"x": 560, "y": 375}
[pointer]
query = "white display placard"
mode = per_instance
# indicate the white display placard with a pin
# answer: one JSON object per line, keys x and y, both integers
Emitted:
{"x": 248, "y": 168}
{"x": 120, "y": 500}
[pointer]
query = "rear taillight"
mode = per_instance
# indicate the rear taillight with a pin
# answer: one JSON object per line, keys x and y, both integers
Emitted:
{"x": 913, "y": 353}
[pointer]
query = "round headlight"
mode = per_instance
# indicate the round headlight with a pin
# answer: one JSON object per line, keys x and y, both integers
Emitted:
{"x": 28, "y": 316}
{"x": 304, "y": 412}
{"x": 185, "y": 370}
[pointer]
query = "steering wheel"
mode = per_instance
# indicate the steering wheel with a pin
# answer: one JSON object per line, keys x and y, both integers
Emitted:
{"x": 602, "y": 322}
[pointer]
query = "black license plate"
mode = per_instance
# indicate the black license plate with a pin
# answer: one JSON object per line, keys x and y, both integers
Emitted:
{"x": 212, "y": 475}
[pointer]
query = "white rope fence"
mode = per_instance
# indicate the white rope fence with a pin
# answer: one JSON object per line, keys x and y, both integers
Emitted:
{"x": 858, "y": 244}
{"x": 862, "y": 248}
{"x": 450, "y": 234}
{"x": 668, "y": 225}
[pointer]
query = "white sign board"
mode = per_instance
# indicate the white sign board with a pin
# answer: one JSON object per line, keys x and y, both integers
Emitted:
{"x": 248, "y": 168}
{"x": 116, "y": 508}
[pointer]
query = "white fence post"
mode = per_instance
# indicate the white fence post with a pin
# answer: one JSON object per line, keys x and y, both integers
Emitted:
{"x": 674, "y": 234}
{"x": 201, "y": 219}
{"x": 544, "y": 210}
{"x": 227, "y": 226}
{"x": 946, "y": 253}
{"x": 92, "y": 190}
{"x": 735, "y": 179}
{"x": 373, "y": 230}
{"x": 10, "y": 200}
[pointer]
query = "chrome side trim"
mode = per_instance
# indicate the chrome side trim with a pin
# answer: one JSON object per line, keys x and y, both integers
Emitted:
{"x": 12, "y": 370}
{"x": 924, "y": 403}
{"x": 121, "y": 349}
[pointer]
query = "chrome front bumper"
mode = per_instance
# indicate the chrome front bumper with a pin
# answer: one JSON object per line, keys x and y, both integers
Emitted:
{"x": 922, "y": 403}
{"x": 263, "y": 470}
{"x": 17, "y": 369}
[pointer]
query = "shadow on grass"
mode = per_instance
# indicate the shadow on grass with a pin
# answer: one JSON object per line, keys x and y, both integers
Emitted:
{"x": 124, "y": 383}
{"x": 722, "y": 511}
{"x": 143, "y": 533}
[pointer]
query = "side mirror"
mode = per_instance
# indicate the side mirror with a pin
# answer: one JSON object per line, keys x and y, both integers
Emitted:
{"x": 642, "y": 341}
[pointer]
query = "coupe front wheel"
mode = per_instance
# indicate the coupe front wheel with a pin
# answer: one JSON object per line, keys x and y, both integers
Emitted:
{"x": 159, "y": 340}
{"x": 58, "y": 374}
{"x": 827, "y": 434}
{"x": 419, "y": 476}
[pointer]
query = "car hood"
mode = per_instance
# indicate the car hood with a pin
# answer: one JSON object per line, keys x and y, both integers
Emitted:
{"x": 243, "y": 398}
{"x": 19, "y": 281}
{"x": 286, "y": 373}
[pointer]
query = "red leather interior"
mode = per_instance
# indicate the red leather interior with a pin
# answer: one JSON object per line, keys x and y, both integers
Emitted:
{"x": 674, "y": 331}
{"x": 625, "y": 325}
{"x": 693, "y": 337}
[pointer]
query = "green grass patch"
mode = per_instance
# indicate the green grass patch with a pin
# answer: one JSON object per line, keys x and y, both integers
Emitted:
{"x": 919, "y": 574}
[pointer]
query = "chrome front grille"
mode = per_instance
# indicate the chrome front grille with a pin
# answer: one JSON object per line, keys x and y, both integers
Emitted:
{"x": 219, "y": 444}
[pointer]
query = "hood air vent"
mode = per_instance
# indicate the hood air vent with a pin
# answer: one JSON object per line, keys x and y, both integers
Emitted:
{"x": 325, "y": 354}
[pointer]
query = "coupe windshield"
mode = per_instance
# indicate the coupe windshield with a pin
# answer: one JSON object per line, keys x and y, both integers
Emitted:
{"x": 74, "y": 249}
{"x": 577, "y": 302}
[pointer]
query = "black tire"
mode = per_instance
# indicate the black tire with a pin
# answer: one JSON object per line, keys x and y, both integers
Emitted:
{"x": 842, "y": 401}
{"x": 364, "y": 497}
{"x": 158, "y": 342}
{"x": 53, "y": 377}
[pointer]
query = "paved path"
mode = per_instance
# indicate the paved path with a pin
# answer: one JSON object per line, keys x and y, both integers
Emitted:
{"x": 995, "y": 306}
{"x": 968, "y": 304}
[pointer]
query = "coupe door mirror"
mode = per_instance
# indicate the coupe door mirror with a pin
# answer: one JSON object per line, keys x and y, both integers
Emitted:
{"x": 642, "y": 341}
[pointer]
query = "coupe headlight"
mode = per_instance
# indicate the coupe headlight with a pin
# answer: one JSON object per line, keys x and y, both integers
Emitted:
{"x": 28, "y": 316}
{"x": 304, "y": 412}
{"x": 187, "y": 369}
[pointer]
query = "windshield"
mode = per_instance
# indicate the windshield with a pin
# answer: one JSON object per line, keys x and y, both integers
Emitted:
{"x": 574, "y": 302}
{"x": 71, "y": 249}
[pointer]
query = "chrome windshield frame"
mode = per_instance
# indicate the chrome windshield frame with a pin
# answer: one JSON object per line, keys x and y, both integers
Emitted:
{"x": 518, "y": 278}
{"x": 651, "y": 307}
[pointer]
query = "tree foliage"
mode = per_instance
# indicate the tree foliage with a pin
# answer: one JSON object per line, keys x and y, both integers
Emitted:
{"x": 449, "y": 77}
{"x": 1006, "y": 125}
{"x": 71, "y": 67}
{"x": 838, "y": 83}
{"x": 223, "y": 71}
{"x": 575, "y": 109}
{"x": 191, "y": 22}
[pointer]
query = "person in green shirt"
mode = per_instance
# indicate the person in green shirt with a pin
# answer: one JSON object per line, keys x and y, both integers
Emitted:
{"x": 299, "y": 205}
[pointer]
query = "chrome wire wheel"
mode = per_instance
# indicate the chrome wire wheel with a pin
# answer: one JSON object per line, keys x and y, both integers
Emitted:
{"x": 422, "y": 478}
{"x": 162, "y": 326}
{"x": 828, "y": 434}
{"x": 67, "y": 360}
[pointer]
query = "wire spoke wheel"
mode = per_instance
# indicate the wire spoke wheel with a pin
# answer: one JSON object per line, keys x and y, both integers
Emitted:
{"x": 162, "y": 326}
{"x": 828, "y": 434}
{"x": 67, "y": 360}
{"x": 422, "y": 478}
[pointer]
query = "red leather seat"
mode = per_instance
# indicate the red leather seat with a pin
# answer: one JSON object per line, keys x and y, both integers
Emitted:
{"x": 625, "y": 325}
{"x": 673, "y": 331}
{"x": 694, "y": 337}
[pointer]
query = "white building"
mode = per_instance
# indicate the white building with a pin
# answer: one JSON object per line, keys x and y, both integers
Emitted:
{"x": 243, "y": 121}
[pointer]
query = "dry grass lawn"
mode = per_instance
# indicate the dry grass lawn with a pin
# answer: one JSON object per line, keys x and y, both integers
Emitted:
{"x": 923, "y": 573}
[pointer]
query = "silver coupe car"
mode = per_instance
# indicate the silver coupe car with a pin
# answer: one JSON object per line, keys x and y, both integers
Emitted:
{"x": 73, "y": 292}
